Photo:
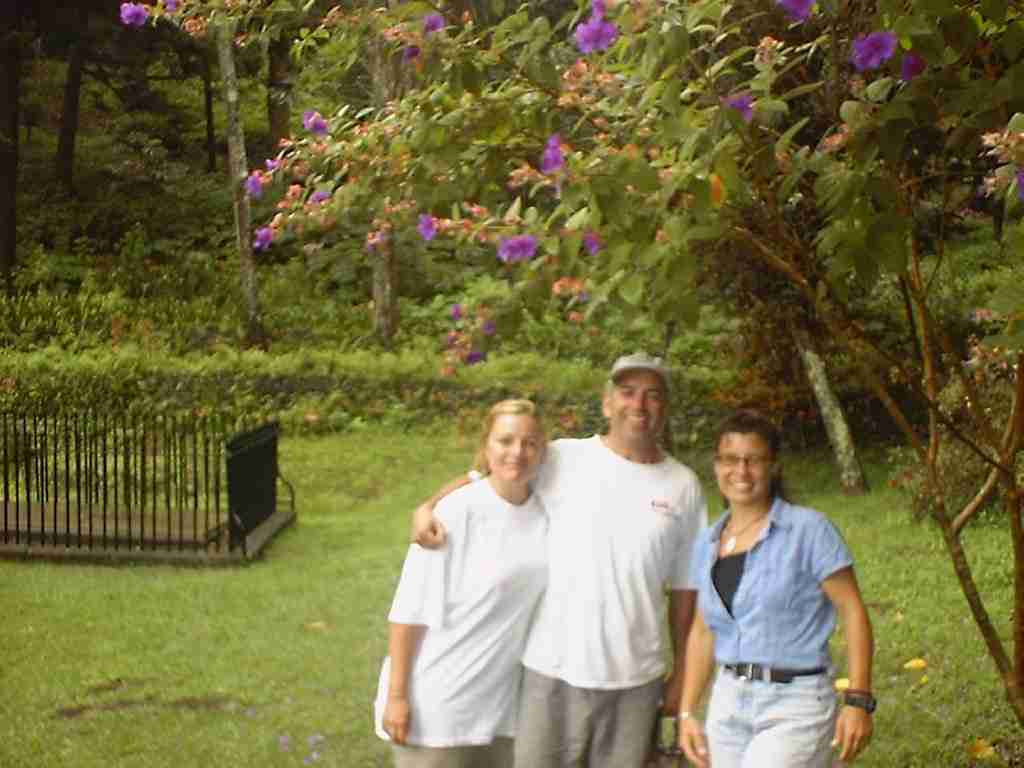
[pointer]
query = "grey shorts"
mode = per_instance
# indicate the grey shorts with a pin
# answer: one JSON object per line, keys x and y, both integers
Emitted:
{"x": 561, "y": 726}
{"x": 497, "y": 754}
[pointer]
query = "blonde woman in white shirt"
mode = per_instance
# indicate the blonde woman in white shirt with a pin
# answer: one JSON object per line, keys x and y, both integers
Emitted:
{"x": 448, "y": 692}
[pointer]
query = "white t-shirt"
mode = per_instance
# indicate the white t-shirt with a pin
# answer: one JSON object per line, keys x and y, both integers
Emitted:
{"x": 620, "y": 532}
{"x": 476, "y": 596}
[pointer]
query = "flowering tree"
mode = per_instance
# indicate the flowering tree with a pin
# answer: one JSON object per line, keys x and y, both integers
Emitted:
{"x": 608, "y": 157}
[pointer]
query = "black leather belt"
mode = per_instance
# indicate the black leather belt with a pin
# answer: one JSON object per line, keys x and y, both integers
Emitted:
{"x": 771, "y": 674}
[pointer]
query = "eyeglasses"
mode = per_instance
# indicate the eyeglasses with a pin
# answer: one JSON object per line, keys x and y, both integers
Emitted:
{"x": 754, "y": 462}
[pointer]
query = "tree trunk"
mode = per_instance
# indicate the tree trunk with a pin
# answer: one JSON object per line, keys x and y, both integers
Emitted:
{"x": 69, "y": 118}
{"x": 385, "y": 293}
{"x": 238, "y": 168}
{"x": 850, "y": 475}
{"x": 10, "y": 70}
{"x": 211, "y": 136}
{"x": 279, "y": 88}
{"x": 387, "y": 80}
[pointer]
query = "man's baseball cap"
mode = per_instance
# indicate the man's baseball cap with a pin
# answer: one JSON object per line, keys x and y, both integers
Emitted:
{"x": 640, "y": 361}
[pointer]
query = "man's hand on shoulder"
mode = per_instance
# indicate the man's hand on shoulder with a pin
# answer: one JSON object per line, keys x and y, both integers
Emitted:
{"x": 427, "y": 530}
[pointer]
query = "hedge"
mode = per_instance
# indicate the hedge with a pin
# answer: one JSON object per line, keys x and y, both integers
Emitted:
{"x": 316, "y": 390}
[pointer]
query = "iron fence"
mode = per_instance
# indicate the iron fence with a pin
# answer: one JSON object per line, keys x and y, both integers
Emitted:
{"x": 175, "y": 485}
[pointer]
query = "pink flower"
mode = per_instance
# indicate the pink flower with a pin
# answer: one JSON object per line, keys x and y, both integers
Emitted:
{"x": 911, "y": 66}
{"x": 134, "y": 14}
{"x": 314, "y": 122}
{"x": 797, "y": 10}
{"x": 433, "y": 23}
{"x": 427, "y": 227}
{"x": 592, "y": 242}
{"x": 264, "y": 237}
{"x": 596, "y": 34}
{"x": 518, "y": 248}
{"x": 742, "y": 103}
{"x": 873, "y": 50}
{"x": 254, "y": 185}
{"x": 552, "y": 159}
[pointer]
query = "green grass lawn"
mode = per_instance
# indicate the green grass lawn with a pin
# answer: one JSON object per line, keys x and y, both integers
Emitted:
{"x": 267, "y": 664}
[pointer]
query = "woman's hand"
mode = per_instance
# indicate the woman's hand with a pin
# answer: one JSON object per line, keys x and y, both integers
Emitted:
{"x": 853, "y": 732}
{"x": 396, "y": 718}
{"x": 693, "y": 742}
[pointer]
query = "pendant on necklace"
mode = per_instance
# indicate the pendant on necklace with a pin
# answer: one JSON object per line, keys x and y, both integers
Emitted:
{"x": 730, "y": 545}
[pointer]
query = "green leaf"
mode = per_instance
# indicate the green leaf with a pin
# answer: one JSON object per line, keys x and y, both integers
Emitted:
{"x": 801, "y": 90}
{"x": 879, "y": 90}
{"x": 632, "y": 289}
{"x": 887, "y": 242}
{"x": 578, "y": 219}
{"x": 782, "y": 145}
{"x": 852, "y": 112}
{"x": 513, "y": 210}
{"x": 1008, "y": 298}
{"x": 993, "y": 10}
{"x": 771, "y": 106}
{"x": 1016, "y": 124}
{"x": 670, "y": 96}
{"x": 1013, "y": 41}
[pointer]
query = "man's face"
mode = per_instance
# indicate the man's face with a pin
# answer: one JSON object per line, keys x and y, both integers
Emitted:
{"x": 636, "y": 407}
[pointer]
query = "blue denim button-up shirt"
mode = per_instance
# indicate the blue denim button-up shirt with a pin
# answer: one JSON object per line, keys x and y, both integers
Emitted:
{"x": 781, "y": 616}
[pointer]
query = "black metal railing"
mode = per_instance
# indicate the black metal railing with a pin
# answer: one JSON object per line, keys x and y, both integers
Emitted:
{"x": 129, "y": 483}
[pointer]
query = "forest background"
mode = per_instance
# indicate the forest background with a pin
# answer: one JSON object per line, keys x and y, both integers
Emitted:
{"x": 344, "y": 216}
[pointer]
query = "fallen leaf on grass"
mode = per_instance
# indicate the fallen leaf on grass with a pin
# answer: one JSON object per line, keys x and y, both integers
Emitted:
{"x": 979, "y": 749}
{"x": 916, "y": 664}
{"x": 842, "y": 683}
{"x": 317, "y": 626}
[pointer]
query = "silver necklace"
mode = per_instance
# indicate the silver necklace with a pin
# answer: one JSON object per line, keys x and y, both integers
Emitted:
{"x": 730, "y": 543}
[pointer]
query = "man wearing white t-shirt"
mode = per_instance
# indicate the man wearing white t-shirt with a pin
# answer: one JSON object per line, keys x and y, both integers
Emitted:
{"x": 623, "y": 516}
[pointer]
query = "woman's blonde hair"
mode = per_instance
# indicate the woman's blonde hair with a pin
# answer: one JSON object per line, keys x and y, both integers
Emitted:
{"x": 506, "y": 408}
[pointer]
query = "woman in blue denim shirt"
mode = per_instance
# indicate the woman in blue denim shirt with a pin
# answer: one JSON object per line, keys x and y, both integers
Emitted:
{"x": 771, "y": 579}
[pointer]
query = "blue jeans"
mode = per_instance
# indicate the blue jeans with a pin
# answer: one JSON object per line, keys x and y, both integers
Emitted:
{"x": 754, "y": 724}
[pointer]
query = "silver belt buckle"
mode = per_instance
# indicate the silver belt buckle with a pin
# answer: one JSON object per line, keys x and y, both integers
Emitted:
{"x": 745, "y": 671}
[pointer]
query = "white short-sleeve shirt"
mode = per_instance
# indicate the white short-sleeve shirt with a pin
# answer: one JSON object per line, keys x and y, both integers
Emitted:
{"x": 476, "y": 597}
{"x": 620, "y": 534}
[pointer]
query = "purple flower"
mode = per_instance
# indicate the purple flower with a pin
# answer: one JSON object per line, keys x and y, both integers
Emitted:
{"x": 517, "y": 248}
{"x": 474, "y": 357}
{"x": 1020, "y": 184}
{"x": 450, "y": 339}
{"x": 582, "y": 297}
{"x": 742, "y": 103}
{"x": 797, "y": 10}
{"x": 456, "y": 312}
{"x": 411, "y": 53}
{"x": 254, "y": 185}
{"x": 433, "y": 23}
{"x": 264, "y": 237}
{"x": 911, "y": 66}
{"x": 593, "y": 243}
{"x": 284, "y": 741}
{"x": 427, "y": 226}
{"x": 272, "y": 165}
{"x": 134, "y": 14}
{"x": 596, "y": 34}
{"x": 488, "y": 328}
{"x": 871, "y": 51}
{"x": 552, "y": 159}
{"x": 171, "y": 6}
{"x": 319, "y": 196}
{"x": 597, "y": 9}
{"x": 313, "y": 122}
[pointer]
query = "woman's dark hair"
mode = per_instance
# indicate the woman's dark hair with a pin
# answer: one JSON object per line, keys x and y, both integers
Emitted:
{"x": 751, "y": 422}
